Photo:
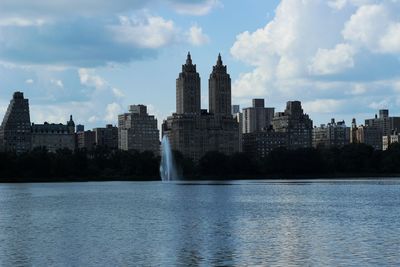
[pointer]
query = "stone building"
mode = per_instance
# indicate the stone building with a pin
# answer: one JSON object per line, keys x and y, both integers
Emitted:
{"x": 86, "y": 140}
{"x": 193, "y": 131}
{"x": 296, "y": 124}
{"x": 15, "y": 130}
{"x": 334, "y": 134}
{"x": 107, "y": 137}
{"x": 54, "y": 136}
{"x": 260, "y": 144}
{"x": 258, "y": 117}
{"x": 137, "y": 130}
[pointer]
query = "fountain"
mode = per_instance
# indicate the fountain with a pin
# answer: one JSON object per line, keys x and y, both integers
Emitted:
{"x": 167, "y": 168}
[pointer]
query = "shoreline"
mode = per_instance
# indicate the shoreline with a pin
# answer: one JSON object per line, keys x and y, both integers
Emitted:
{"x": 342, "y": 177}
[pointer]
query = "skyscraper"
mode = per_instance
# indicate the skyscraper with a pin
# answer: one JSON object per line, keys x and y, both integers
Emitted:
{"x": 219, "y": 90}
{"x": 15, "y": 130}
{"x": 194, "y": 132}
{"x": 188, "y": 89}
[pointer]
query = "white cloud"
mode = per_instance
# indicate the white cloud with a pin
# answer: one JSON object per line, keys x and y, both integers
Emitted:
{"x": 117, "y": 92}
{"x": 332, "y": 61}
{"x": 197, "y": 37}
{"x": 58, "y": 83}
{"x": 147, "y": 32}
{"x": 322, "y": 106}
{"x": 197, "y": 9}
{"x": 375, "y": 27}
{"x": 29, "y": 81}
{"x": 112, "y": 111}
{"x": 21, "y": 22}
{"x": 383, "y": 104}
{"x": 88, "y": 77}
{"x": 323, "y": 53}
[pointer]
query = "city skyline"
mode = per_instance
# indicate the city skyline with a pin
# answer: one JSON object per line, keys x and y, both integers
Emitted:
{"x": 91, "y": 65}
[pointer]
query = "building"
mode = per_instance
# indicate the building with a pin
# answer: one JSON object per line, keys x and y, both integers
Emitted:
{"x": 86, "y": 140}
{"x": 193, "y": 131}
{"x": 296, "y": 124}
{"x": 107, "y": 137}
{"x": 235, "y": 109}
{"x": 15, "y": 130}
{"x": 369, "y": 135}
{"x": 54, "y": 136}
{"x": 137, "y": 130}
{"x": 387, "y": 140}
{"x": 384, "y": 123}
{"x": 260, "y": 144}
{"x": 258, "y": 117}
{"x": 80, "y": 128}
{"x": 334, "y": 134}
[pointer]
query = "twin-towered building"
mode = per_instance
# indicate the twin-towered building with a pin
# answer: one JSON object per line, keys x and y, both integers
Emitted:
{"x": 194, "y": 131}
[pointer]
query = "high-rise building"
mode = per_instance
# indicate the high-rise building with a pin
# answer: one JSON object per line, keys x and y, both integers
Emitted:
{"x": 194, "y": 132}
{"x": 296, "y": 124}
{"x": 384, "y": 123}
{"x": 15, "y": 130}
{"x": 137, "y": 130}
{"x": 54, "y": 136}
{"x": 107, "y": 137}
{"x": 86, "y": 140}
{"x": 188, "y": 89}
{"x": 334, "y": 134}
{"x": 257, "y": 118}
{"x": 219, "y": 90}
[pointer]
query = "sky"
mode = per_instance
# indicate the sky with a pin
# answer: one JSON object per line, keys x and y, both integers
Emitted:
{"x": 94, "y": 58}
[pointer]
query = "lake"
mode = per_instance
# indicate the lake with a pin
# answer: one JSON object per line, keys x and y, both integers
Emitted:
{"x": 274, "y": 223}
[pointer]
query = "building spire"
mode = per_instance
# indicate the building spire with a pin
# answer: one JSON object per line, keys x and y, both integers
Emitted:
{"x": 188, "y": 59}
{"x": 219, "y": 61}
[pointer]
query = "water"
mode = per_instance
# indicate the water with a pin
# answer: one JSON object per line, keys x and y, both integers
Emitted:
{"x": 329, "y": 223}
{"x": 167, "y": 167}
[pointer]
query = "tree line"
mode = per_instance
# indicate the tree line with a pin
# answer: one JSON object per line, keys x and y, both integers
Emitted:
{"x": 99, "y": 164}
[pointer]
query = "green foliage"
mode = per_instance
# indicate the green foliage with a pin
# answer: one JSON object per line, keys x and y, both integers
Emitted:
{"x": 104, "y": 164}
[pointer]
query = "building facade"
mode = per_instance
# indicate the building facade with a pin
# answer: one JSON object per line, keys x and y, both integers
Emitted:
{"x": 260, "y": 144}
{"x": 369, "y": 135}
{"x": 384, "y": 123}
{"x": 334, "y": 134}
{"x": 296, "y": 124}
{"x": 137, "y": 130}
{"x": 387, "y": 140}
{"x": 54, "y": 136}
{"x": 194, "y": 133}
{"x": 257, "y": 118}
{"x": 86, "y": 140}
{"x": 15, "y": 130}
{"x": 107, "y": 137}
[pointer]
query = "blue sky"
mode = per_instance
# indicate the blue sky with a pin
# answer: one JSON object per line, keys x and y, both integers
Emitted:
{"x": 92, "y": 59}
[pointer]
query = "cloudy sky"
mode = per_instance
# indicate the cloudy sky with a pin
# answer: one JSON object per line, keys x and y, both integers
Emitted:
{"x": 93, "y": 58}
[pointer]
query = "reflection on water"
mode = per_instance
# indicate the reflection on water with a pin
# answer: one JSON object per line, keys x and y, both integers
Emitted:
{"x": 339, "y": 223}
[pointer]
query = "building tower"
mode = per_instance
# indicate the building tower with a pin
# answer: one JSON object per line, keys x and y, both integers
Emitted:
{"x": 15, "y": 131}
{"x": 219, "y": 90}
{"x": 71, "y": 125}
{"x": 188, "y": 89}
